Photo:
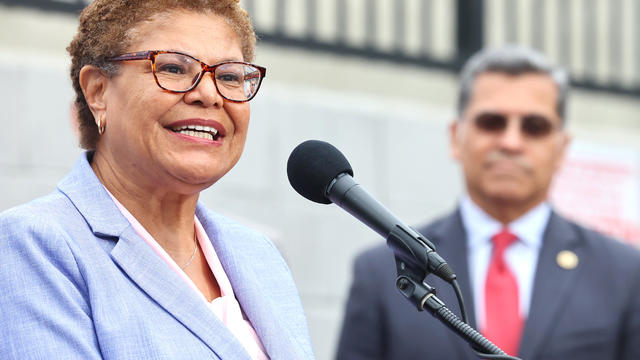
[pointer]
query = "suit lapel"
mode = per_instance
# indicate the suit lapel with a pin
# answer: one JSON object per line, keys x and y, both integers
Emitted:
{"x": 451, "y": 243}
{"x": 262, "y": 311}
{"x": 552, "y": 284}
{"x": 142, "y": 265}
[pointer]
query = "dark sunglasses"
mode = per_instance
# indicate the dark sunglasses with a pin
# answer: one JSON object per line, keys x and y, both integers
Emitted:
{"x": 532, "y": 125}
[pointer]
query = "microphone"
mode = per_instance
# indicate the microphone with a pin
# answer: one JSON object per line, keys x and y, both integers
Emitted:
{"x": 319, "y": 172}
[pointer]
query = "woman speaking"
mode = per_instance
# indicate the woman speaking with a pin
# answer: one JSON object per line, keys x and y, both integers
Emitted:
{"x": 121, "y": 261}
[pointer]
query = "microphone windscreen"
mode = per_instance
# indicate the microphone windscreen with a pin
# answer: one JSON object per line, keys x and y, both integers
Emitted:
{"x": 312, "y": 166}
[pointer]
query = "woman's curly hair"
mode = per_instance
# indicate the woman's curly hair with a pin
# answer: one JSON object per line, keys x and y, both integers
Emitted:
{"x": 104, "y": 31}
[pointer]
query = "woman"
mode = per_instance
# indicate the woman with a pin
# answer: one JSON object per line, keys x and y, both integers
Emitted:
{"x": 121, "y": 261}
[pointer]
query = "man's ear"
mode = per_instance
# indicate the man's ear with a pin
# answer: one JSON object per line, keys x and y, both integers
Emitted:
{"x": 93, "y": 82}
{"x": 454, "y": 139}
{"x": 565, "y": 141}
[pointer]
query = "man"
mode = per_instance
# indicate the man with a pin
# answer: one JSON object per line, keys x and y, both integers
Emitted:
{"x": 534, "y": 283}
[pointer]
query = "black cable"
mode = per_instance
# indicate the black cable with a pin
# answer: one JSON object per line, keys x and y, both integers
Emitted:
{"x": 463, "y": 309}
{"x": 466, "y": 331}
{"x": 490, "y": 356}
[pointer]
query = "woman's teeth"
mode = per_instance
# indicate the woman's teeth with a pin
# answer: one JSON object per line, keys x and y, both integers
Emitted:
{"x": 198, "y": 134}
{"x": 199, "y": 131}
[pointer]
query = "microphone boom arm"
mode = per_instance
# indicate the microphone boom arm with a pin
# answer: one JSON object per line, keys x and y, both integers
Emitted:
{"x": 411, "y": 285}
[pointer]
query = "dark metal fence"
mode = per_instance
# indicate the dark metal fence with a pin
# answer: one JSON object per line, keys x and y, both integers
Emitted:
{"x": 598, "y": 41}
{"x": 72, "y": 6}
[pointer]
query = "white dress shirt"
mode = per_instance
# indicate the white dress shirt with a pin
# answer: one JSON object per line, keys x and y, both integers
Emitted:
{"x": 521, "y": 256}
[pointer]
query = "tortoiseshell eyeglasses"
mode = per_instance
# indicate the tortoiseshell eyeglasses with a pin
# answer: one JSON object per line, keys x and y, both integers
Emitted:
{"x": 176, "y": 72}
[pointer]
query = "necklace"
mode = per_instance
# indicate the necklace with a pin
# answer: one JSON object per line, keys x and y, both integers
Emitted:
{"x": 195, "y": 250}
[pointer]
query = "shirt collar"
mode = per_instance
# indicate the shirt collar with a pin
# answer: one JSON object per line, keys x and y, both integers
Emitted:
{"x": 480, "y": 226}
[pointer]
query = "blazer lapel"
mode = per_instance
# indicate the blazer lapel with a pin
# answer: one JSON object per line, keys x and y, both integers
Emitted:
{"x": 143, "y": 266}
{"x": 552, "y": 284}
{"x": 451, "y": 243}
{"x": 265, "y": 316}
{"x": 164, "y": 286}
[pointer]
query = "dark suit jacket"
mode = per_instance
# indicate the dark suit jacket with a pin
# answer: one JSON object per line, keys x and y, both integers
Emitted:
{"x": 589, "y": 312}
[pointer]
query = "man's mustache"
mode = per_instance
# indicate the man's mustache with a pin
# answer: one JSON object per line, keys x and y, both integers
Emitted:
{"x": 500, "y": 156}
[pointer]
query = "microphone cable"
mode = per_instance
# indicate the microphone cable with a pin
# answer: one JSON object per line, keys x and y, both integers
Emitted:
{"x": 465, "y": 320}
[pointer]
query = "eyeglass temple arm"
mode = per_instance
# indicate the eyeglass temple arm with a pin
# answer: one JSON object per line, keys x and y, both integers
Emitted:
{"x": 142, "y": 55}
{"x": 253, "y": 75}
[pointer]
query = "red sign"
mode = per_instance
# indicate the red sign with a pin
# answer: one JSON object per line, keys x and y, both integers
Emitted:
{"x": 600, "y": 188}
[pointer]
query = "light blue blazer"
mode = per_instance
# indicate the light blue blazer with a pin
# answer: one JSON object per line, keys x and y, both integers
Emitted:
{"x": 77, "y": 282}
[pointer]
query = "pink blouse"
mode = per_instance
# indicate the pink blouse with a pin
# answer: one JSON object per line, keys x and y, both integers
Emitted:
{"x": 226, "y": 307}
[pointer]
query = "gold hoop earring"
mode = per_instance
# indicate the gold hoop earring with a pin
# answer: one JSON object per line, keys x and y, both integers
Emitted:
{"x": 100, "y": 126}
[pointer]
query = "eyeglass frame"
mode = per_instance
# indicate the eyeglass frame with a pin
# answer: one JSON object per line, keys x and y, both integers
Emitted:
{"x": 550, "y": 126}
{"x": 151, "y": 55}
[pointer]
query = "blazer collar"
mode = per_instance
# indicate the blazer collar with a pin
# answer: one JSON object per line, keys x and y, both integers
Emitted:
{"x": 87, "y": 194}
{"x": 142, "y": 265}
{"x": 552, "y": 283}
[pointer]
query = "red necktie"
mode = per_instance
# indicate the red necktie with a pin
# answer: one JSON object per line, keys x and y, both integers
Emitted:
{"x": 503, "y": 324}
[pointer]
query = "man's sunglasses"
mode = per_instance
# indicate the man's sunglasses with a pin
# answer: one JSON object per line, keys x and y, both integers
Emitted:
{"x": 532, "y": 125}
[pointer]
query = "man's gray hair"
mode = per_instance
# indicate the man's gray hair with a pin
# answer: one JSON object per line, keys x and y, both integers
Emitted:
{"x": 512, "y": 60}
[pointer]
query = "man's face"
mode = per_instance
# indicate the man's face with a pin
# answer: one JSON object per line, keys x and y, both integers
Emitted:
{"x": 510, "y": 140}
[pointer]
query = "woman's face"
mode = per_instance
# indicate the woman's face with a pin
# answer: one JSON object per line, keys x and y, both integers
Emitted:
{"x": 140, "y": 141}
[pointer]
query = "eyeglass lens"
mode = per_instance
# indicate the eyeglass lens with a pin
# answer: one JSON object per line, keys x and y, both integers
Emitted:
{"x": 530, "y": 125}
{"x": 177, "y": 72}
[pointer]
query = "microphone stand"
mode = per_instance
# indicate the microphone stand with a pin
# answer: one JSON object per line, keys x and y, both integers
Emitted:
{"x": 411, "y": 284}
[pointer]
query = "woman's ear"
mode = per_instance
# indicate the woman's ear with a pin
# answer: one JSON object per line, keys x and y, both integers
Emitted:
{"x": 93, "y": 82}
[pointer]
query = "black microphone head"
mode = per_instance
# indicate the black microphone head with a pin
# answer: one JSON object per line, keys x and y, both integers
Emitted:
{"x": 312, "y": 166}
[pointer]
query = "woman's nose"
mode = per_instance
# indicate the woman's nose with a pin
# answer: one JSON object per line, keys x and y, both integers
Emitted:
{"x": 205, "y": 93}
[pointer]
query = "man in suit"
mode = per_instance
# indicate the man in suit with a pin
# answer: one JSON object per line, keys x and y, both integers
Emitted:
{"x": 536, "y": 284}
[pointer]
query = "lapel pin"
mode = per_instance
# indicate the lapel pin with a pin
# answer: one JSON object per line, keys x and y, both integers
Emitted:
{"x": 567, "y": 259}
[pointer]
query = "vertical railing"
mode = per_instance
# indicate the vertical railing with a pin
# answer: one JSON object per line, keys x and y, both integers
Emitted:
{"x": 399, "y": 32}
{"x": 537, "y": 25}
{"x": 563, "y": 20}
{"x": 511, "y": 21}
{"x": 280, "y": 16}
{"x": 426, "y": 28}
{"x": 607, "y": 56}
{"x": 597, "y": 41}
{"x": 371, "y": 23}
{"x": 590, "y": 32}
{"x": 341, "y": 21}
{"x": 470, "y": 35}
{"x": 615, "y": 36}
{"x": 636, "y": 43}
{"x": 311, "y": 19}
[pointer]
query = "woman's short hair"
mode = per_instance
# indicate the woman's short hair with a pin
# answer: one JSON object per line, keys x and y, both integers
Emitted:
{"x": 105, "y": 30}
{"x": 512, "y": 60}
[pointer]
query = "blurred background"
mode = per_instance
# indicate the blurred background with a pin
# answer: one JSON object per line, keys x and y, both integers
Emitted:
{"x": 377, "y": 79}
